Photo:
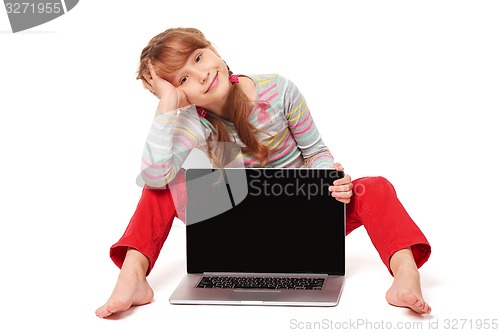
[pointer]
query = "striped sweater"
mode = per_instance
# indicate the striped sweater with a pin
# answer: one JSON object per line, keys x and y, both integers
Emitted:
{"x": 280, "y": 114}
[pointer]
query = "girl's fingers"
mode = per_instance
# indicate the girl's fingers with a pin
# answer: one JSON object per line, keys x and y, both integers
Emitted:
{"x": 343, "y": 196}
{"x": 147, "y": 85}
{"x": 346, "y": 201}
{"x": 152, "y": 71}
{"x": 341, "y": 188}
{"x": 343, "y": 181}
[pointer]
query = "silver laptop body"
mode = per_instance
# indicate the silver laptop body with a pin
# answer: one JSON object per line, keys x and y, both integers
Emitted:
{"x": 263, "y": 237}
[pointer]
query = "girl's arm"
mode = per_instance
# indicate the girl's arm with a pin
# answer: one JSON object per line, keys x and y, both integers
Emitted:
{"x": 176, "y": 130}
{"x": 316, "y": 154}
{"x": 170, "y": 140}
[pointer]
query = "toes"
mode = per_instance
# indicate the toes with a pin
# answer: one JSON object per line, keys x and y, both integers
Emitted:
{"x": 111, "y": 307}
{"x": 102, "y": 313}
{"x": 421, "y": 307}
{"x": 415, "y": 303}
{"x": 424, "y": 307}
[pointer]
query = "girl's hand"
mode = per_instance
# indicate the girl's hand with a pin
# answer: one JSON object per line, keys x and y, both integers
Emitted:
{"x": 341, "y": 188}
{"x": 171, "y": 98}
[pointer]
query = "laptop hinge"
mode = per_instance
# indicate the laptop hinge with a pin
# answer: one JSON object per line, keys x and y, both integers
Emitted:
{"x": 265, "y": 274}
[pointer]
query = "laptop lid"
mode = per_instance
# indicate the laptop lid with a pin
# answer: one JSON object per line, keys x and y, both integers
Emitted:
{"x": 266, "y": 220}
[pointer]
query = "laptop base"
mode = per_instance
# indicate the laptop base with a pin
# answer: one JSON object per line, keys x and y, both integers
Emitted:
{"x": 187, "y": 293}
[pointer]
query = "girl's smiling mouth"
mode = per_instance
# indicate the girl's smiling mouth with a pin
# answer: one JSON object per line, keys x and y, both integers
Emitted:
{"x": 213, "y": 83}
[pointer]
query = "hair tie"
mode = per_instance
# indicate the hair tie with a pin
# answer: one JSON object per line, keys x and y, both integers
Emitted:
{"x": 201, "y": 111}
{"x": 233, "y": 78}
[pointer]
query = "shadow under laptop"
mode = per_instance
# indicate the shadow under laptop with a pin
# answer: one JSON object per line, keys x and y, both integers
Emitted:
{"x": 167, "y": 274}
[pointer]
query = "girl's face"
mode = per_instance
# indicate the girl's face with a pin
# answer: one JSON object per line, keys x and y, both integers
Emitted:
{"x": 204, "y": 79}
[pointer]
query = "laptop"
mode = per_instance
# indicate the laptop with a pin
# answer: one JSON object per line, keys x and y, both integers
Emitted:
{"x": 263, "y": 236}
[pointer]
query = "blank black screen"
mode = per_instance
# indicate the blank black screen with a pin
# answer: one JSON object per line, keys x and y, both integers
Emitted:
{"x": 286, "y": 223}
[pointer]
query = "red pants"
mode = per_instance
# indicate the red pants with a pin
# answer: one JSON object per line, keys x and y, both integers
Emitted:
{"x": 374, "y": 204}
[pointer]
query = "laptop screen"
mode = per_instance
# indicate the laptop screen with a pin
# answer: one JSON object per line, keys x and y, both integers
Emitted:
{"x": 264, "y": 221}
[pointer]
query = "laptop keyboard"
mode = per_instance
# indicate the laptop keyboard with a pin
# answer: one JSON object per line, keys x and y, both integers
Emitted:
{"x": 233, "y": 282}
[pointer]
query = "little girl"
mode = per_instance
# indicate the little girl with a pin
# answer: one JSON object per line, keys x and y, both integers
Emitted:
{"x": 204, "y": 105}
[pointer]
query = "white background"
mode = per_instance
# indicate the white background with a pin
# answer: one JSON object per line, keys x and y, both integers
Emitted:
{"x": 404, "y": 89}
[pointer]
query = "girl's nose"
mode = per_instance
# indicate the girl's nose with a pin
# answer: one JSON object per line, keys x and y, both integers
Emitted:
{"x": 204, "y": 77}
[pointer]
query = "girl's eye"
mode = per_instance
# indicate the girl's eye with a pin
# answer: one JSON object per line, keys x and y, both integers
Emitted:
{"x": 198, "y": 58}
{"x": 183, "y": 79}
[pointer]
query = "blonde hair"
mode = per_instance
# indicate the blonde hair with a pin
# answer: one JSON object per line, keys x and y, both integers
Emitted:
{"x": 168, "y": 52}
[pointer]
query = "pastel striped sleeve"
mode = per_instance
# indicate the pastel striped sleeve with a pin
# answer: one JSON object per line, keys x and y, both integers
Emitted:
{"x": 169, "y": 142}
{"x": 316, "y": 154}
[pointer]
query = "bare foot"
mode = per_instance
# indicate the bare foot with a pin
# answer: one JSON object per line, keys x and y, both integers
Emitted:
{"x": 406, "y": 292}
{"x": 130, "y": 289}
